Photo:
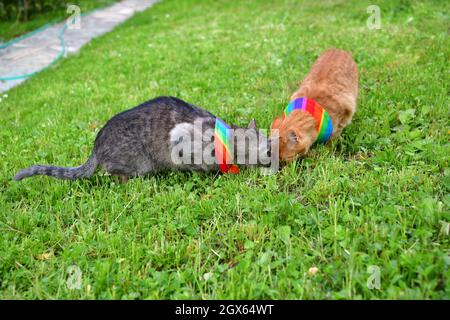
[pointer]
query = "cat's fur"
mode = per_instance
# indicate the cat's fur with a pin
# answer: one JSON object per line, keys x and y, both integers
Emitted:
{"x": 141, "y": 140}
{"x": 333, "y": 83}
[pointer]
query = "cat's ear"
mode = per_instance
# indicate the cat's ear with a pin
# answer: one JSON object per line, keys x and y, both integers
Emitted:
{"x": 276, "y": 124}
{"x": 252, "y": 124}
{"x": 292, "y": 137}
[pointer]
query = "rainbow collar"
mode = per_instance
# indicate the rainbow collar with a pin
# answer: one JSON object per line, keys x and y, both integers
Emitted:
{"x": 223, "y": 135}
{"x": 324, "y": 125}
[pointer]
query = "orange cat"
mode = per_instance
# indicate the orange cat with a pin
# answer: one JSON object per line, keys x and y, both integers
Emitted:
{"x": 333, "y": 84}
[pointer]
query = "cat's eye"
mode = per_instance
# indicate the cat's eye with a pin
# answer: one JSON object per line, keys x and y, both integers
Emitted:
{"x": 269, "y": 153}
{"x": 292, "y": 137}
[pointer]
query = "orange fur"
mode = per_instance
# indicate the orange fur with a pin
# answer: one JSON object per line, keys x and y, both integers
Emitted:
{"x": 333, "y": 83}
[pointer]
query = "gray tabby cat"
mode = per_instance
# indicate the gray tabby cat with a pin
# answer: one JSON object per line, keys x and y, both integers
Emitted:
{"x": 143, "y": 140}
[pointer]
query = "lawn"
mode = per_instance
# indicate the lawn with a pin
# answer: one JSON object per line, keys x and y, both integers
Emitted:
{"x": 374, "y": 202}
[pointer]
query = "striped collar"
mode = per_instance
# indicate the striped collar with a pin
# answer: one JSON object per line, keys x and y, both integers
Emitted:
{"x": 223, "y": 136}
{"x": 324, "y": 126}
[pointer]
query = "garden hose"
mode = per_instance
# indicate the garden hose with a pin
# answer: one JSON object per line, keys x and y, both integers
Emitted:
{"x": 59, "y": 56}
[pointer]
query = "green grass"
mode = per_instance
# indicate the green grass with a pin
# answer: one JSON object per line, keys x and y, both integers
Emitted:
{"x": 12, "y": 29}
{"x": 377, "y": 196}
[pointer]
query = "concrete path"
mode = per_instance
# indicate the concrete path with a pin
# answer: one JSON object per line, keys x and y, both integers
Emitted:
{"x": 33, "y": 53}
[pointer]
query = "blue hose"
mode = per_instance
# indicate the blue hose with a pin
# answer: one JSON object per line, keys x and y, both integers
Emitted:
{"x": 59, "y": 56}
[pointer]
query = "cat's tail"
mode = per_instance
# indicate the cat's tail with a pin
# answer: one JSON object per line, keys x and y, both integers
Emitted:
{"x": 72, "y": 173}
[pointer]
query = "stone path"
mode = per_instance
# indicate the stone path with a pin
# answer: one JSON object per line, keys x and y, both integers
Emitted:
{"x": 33, "y": 53}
